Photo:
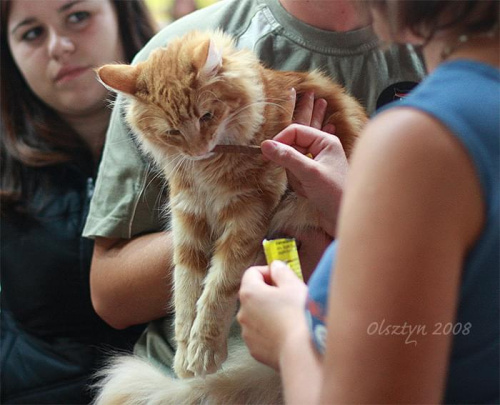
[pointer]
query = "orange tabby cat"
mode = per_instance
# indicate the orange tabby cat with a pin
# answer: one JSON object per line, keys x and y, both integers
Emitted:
{"x": 199, "y": 92}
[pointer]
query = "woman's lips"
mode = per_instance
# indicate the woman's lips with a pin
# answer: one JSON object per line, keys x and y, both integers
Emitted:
{"x": 69, "y": 73}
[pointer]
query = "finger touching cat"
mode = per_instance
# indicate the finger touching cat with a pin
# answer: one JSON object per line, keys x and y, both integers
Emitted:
{"x": 286, "y": 156}
{"x": 311, "y": 112}
{"x": 306, "y": 139}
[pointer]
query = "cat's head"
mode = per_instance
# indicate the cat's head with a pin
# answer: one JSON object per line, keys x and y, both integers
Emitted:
{"x": 197, "y": 92}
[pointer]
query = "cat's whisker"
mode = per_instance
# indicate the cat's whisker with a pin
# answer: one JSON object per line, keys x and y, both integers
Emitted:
{"x": 111, "y": 102}
{"x": 176, "y": 163}
{"x": 209, "y": 97}
{"x": 173, "y": 166}
{"x": 118, "y": 142}
{"x": 115, "y": 101}
{"x": 278, "y": 103}
{"x": 154, "y": 174}
{"x": 235, "y": 114}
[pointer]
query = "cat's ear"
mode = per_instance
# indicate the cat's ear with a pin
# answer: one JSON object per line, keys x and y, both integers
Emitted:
{"x": 208, "y": 58}
{"x": 122, "y": 78}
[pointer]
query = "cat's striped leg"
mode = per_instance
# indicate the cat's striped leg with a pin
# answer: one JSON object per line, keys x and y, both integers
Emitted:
{"x": 234, "y": 252}
{"x": 191, "y": 265}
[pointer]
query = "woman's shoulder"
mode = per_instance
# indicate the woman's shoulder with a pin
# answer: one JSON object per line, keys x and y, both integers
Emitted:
{"x": 460, "y": 88}
{"x": 460, "y": 99}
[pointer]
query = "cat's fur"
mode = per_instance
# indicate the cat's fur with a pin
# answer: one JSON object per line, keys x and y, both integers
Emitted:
{"x": 198, "y": 92}
{"x": 131, "y": 380}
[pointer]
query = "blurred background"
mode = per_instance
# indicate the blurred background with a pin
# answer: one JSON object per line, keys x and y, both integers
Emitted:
{"x": 166, "y": 11}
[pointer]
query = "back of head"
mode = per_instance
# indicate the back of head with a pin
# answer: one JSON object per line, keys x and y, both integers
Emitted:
{"x": 424, "y": 18}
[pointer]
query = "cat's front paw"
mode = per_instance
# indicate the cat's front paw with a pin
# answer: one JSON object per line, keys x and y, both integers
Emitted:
{"x": 206, "y": 356}
{"x": 181, "y": 362}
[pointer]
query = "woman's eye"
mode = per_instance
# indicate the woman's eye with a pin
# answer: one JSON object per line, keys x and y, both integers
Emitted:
{"x": 32, "y": 34}
{"x": 78, "y": 17}
{"x": 207, "y": 117}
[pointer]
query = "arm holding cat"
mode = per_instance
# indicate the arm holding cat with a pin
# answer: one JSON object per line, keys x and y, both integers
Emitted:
{"x": 130, "y": 288}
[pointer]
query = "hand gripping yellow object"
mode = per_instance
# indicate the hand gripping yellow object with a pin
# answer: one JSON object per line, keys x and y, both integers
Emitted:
{"x": 284, "y": 250}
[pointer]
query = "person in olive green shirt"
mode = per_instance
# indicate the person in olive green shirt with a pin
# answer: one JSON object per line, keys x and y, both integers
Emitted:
{"x": 130, "y": 276}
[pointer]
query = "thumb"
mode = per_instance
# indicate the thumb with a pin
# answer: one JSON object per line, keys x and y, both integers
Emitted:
{"x": 282, "y": 274}
{"x": 285, "y": 156}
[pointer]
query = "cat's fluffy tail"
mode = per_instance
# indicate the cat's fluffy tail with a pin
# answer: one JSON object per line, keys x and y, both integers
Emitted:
{"x": 131, "y": 380}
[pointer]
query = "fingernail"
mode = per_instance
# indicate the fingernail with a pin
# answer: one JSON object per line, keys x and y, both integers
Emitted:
{"x": 268, "y": 149}
{"x": 269, "y": 145}
{"x": 276, "y": 264}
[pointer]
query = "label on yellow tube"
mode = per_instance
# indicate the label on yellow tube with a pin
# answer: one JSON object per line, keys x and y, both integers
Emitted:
{"x": 284, "y": 250}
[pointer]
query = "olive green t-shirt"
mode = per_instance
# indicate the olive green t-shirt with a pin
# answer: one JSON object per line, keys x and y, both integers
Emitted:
{"x": 128, "y": 195}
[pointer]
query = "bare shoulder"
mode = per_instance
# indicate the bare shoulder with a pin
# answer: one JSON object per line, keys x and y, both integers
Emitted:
{"x": 416, "y": 162}
{"x": 410, "y": 132}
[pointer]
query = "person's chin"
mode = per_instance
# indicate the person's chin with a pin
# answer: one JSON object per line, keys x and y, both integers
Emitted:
{"x": 79, "y": 105}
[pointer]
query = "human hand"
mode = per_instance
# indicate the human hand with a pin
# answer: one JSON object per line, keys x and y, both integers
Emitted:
{"x": 272, "y": 303}
{"x": 320, "y": 179}
{"x": 310, "y": 111}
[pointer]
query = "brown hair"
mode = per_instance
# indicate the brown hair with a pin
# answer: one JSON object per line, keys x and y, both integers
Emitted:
{"x": 425, "y": 17}
{"x": 32, "y": 134}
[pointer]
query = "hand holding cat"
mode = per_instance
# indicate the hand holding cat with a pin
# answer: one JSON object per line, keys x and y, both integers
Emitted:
{"x": 321, "y": 179}
{"x": 272, "y": 311}
{"x": 310, "y": 111}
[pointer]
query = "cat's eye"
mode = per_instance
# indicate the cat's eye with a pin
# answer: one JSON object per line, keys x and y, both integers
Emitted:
{"x": 173, "y": 132}
{"x": 207, "y": 117}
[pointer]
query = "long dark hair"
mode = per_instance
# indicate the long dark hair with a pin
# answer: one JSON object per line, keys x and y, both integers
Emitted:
{"x": 33, "y": 135}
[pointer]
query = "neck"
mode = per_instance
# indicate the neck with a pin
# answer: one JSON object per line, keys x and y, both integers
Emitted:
{"x": 480, "y": 48}
{"x": 92, "y": 128}
{"x": 336, "y": 15}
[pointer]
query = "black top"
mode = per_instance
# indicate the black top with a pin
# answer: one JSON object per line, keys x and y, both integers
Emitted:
{"x": 45, "y": 267}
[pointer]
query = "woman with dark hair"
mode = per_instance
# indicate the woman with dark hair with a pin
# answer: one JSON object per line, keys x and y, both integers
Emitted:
{"x": 54, "y": 116}
{"x": 404, "y": 305}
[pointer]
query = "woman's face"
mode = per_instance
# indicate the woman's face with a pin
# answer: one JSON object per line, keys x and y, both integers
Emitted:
{"x": 56, "y": 45}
